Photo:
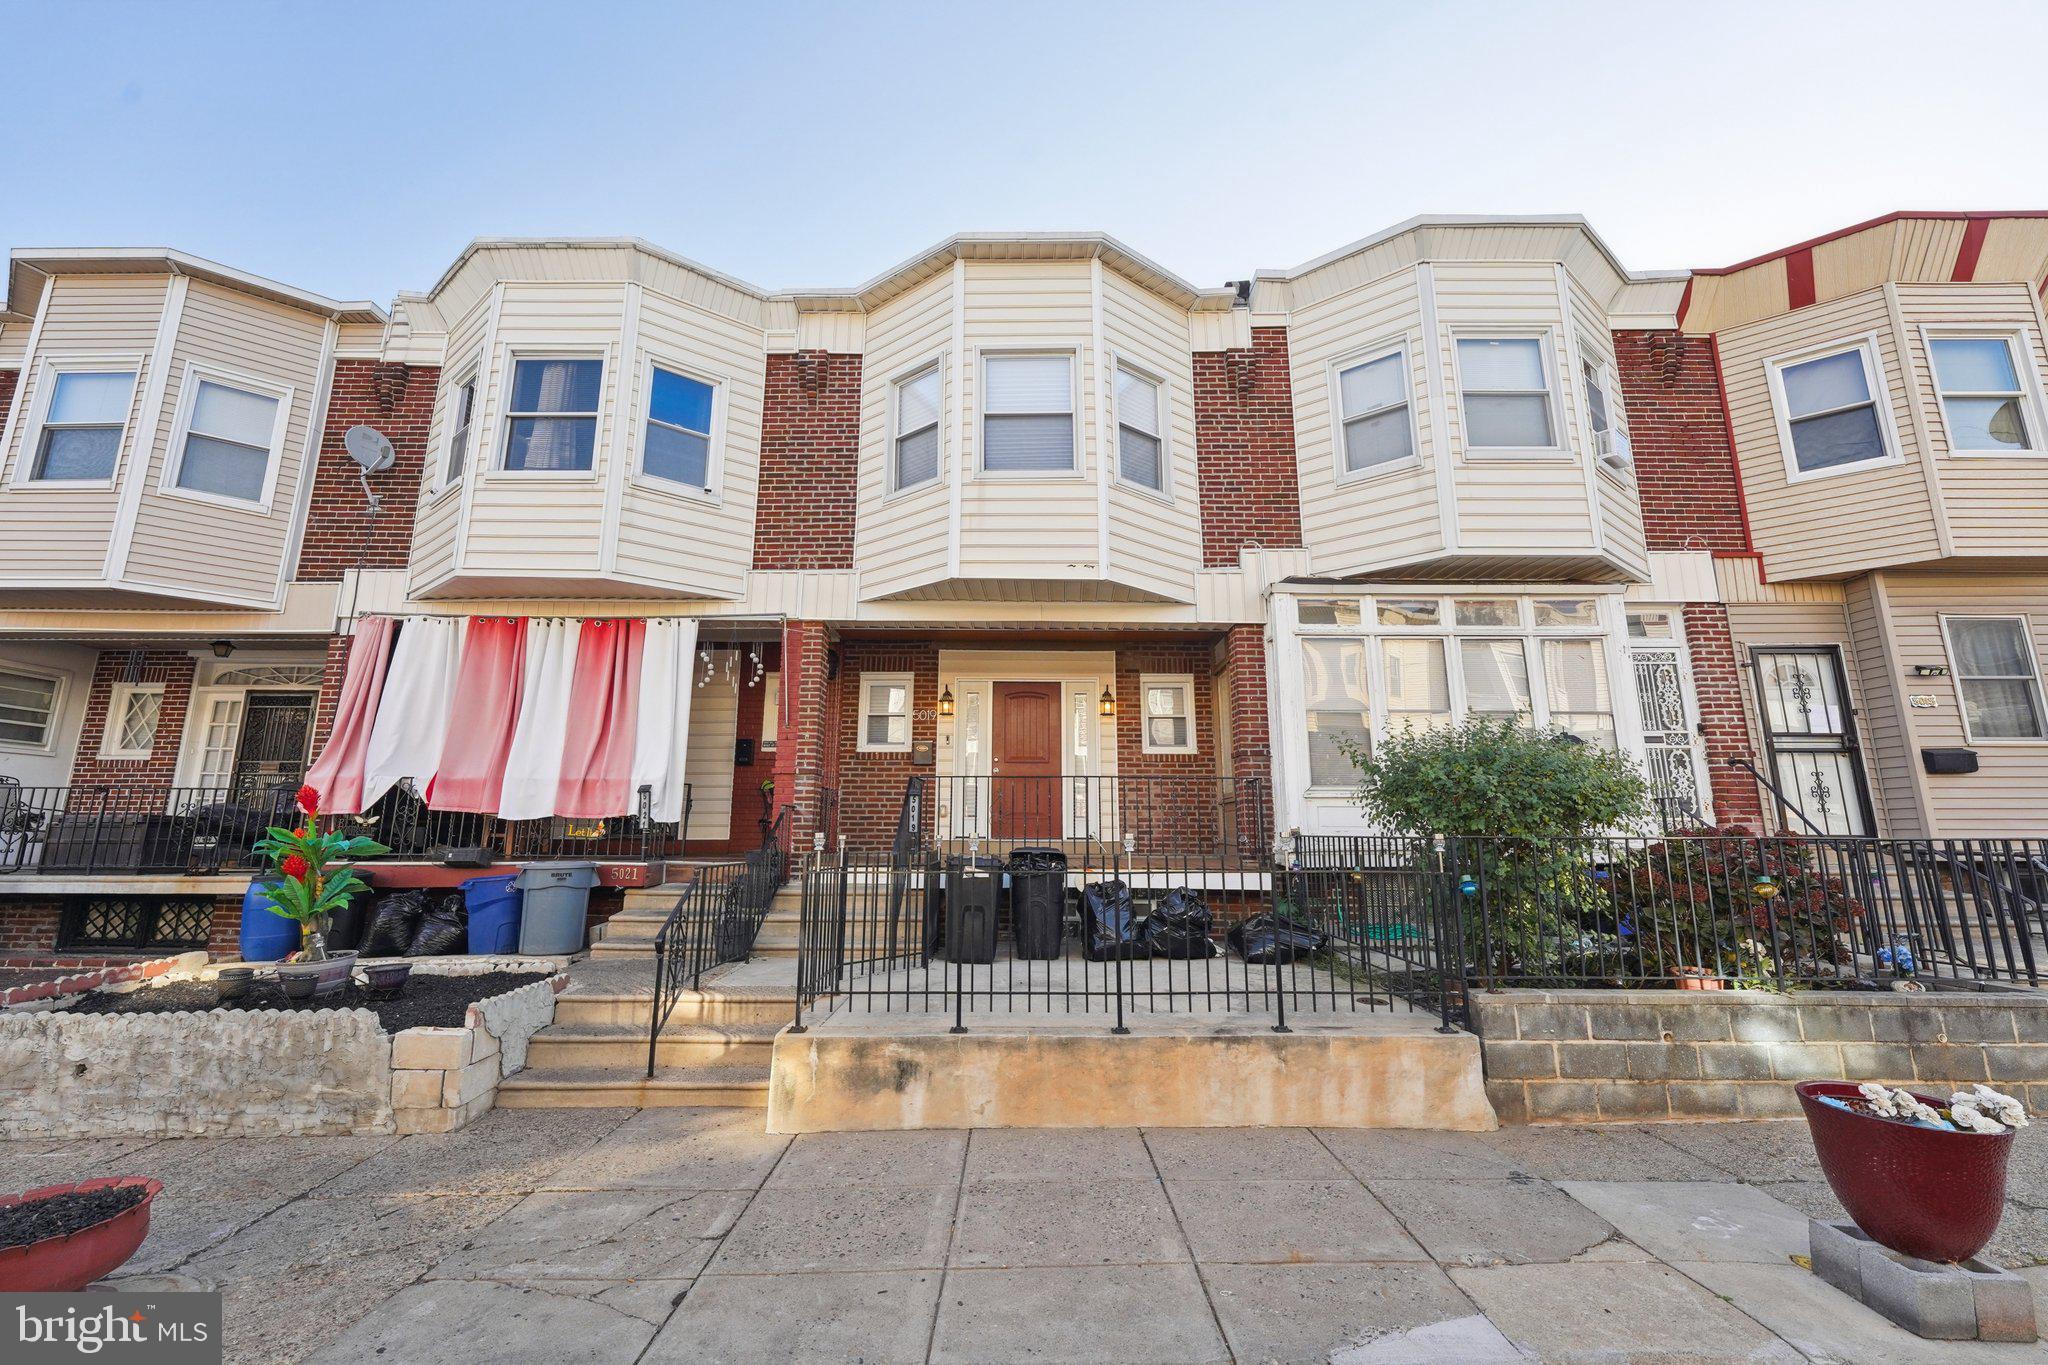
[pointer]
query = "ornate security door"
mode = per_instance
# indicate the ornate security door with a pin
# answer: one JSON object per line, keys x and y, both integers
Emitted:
{"x": 1811, "y": 736}
{"x": 1670, "y": 740}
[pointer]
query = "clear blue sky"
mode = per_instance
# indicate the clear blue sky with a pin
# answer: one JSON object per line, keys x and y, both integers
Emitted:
{"x": 353, "y": 148}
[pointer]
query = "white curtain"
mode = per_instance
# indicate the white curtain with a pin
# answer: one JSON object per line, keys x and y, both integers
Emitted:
{"x": 412, "y": 713}
{"x": 533, "y": 767}
{"x": 666, "y": 673}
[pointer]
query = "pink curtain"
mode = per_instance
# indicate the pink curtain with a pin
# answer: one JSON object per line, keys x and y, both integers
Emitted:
{"x": 604, "y": 701}
{"x": 338, "y": 773}
{"x": 488, "y": 685}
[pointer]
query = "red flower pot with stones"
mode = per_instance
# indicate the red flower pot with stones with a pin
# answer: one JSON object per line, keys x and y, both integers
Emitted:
{"x": 72, "y": 1257}
{"x": 1922, "y": 1192}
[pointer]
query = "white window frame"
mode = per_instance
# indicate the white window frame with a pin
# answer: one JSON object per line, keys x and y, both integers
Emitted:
{"x": 46, "y": 391}
{"x": 54, "y": 722}
{"x": 1184, "y": 683}
{"x": 1164, "y": 492}
{"x": 1955, "y": 669}
{"x": 1075, "y": 470}
{"x": 932, "y": 364}
{"x": 868, "y": 682}
{"x": 713, "y": 489}
{"x": 1546, "y": 339}
{"x": 1334, "y": 378}
{"x": 116, "y": 721}
{"x": 472, "y": 378}
{"x": 1865, "y": 346}
{"x": 1597, "y": 367}
{"x": 2019, "y": 345}
{"x": 503, "y": 437}
{"x": 188, "y": 396}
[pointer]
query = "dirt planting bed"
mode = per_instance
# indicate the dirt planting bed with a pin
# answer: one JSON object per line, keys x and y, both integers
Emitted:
{"x": 430, "y": 1001}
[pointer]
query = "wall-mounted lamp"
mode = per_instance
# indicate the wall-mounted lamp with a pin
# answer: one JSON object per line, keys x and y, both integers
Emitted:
{"x": 946, "y": 702}
{"x": 223, "y": 648}
{"x": 1107, "y": 705}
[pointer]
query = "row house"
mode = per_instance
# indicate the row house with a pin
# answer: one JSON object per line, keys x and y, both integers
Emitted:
{"x": 658, "y": 563}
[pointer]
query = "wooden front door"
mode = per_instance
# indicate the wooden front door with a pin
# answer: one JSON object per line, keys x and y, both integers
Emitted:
{"x": 1026, "y": 801}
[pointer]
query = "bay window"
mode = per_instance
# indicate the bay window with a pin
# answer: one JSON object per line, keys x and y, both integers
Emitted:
{"x": 1982, "y": 399}
{"x": 1504, "y": 383}
{"x": 677, "y": 447}
{"x": 1830, "y": 413}
{"x": 1372, "y": 407}
{"x": 1027, "y": 414}
{"x": 551, "y": 424}
{"x": 1140, "y": 451}
{"x": 82, "y": 426}
{"x": 915, "y": 458}
{"x": 228, "y": 445}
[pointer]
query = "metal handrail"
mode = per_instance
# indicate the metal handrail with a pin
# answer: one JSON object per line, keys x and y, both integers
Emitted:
{"x": 1785, "y": 802}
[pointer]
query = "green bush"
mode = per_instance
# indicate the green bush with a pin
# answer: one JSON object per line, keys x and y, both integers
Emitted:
{"x": 1495, "y": 778}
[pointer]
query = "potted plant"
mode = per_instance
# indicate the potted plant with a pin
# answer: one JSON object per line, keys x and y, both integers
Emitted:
{"x": 309, "y": 889}
{"x": 1919, "y": 1175}
{"x": 60, "y": 1238}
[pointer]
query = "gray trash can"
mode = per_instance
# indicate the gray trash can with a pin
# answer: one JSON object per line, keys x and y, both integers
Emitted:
{"x": 557, "y": 901}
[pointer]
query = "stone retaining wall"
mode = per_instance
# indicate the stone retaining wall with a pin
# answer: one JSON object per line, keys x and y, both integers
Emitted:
{"x": 1575, "y": 1056}
{"x": 264, "y": 1073}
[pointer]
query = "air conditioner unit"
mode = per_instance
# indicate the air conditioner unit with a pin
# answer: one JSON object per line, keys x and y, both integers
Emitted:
{"x": 1614, "y": 449}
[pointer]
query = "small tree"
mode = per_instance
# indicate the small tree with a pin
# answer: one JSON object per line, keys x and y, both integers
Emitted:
{"x": 1492, "y": 777}
{"x": 305, "y": 888}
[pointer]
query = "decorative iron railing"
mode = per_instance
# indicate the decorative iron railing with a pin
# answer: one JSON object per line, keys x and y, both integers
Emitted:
{"x": 715, "y": 921}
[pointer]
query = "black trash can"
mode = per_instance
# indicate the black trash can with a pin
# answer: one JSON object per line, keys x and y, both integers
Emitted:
{"x": 1038, "y": 901}
{"x": 971, "y": 895}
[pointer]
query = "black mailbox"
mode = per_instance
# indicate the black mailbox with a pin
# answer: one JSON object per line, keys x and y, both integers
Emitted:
{"x": 1943, "y": 761}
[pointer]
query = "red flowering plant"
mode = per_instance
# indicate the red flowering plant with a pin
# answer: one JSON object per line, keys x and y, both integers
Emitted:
{"x": 1724, "y": 903}
{"x": 308, "y": 887}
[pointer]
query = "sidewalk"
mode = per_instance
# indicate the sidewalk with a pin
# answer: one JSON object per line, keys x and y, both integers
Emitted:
{"x": 689, "y": 1235}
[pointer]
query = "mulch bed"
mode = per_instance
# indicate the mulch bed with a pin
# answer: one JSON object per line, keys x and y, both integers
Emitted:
{"x": 62, "y": 1214}
{"x": 426, "y": 1001}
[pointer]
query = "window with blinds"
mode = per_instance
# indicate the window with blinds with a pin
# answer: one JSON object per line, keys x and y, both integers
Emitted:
{"x": 1027, "y": 414}
{"x": 1140, "y": 451}
{"x": 916, "y": 454}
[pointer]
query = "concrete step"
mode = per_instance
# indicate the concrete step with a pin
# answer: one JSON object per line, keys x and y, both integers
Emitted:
{"x": 716, "y": 1087}
{"x": 681, "y": 1045}
{"x": 618, "y": 991}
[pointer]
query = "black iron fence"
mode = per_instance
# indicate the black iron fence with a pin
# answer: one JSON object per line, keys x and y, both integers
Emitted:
{"x": 109, "y": 828}
{"x": 1217, "y": 819}
{"x": 715, "y": 921}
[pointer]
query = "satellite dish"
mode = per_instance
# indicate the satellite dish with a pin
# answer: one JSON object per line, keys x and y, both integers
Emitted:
{"x": 368, "y": 447}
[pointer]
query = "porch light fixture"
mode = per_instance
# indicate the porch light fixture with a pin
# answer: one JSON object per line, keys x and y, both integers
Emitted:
{"x": 223, "y": 648}
{"x": 1107, "y": 705}
{"x": 946, "y": 702}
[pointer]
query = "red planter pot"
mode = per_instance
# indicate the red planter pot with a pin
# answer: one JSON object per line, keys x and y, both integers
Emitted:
{"x": 62, "y": 1264}
{"x": 1919, "y": 1191}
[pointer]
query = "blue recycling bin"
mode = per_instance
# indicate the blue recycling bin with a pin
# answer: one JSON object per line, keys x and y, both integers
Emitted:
{"x": 266, "y": 935}
{"x": 493, "y": 904}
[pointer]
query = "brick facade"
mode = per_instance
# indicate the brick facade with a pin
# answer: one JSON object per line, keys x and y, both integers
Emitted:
{"x": 1251, "y": 740}
{"x": 397, "y": 400}
{"x": 804, "y": 764}
{"x": 1685, "y": 466}
{"x": 1724, "y": 724}
{"x": 137, "y": 784}
{"x": 871, "y": 785}
{"x": 1244, "y": 448}
{"x": 810, "y": 462}
{"x": 8, "y": 380}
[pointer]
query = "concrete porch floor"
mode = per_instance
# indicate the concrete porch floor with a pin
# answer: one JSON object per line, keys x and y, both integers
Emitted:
{"x": 690, "y": 1235}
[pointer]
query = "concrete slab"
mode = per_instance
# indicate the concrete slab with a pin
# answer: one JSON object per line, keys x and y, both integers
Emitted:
{"x": 1469, "y": 1341}
{"x": 1396, "y": 1154}
{"x": 1569, "y": 1314}
{"x": 277, "y": 1168}
{"x": 1288, "y": 1221}
{"x": 1829, "y": 1326}
{"x": 1242, "y": 1154}
{"x": 43, "y": 1161}
{"x": 674, "y": 1149}
{"x": 502, "y": 1151}
{"x": 823, "y": 1319}
{"x": 846, "y": 1227}
{"x": 456, "y": 1321}
{"x": 1600, "y": 1153}
{"x": 1082, "y": 1222}
{"x": 599, "y": 1235}
{"x": 269, "y": 1318}
{"x": 912, "y": 1158}
{"x": 1314, "y": 1313}
{"x": 182, "y": 1227}
{"x": 307, "y": 1234}
{"x": 1765, "y": 1151}
{"x": 1133, "y": 1314}
{"x": 1057, "y": 1154}
{"x": 1684, "y": 1221}
{"x": 1492, "y": 1222}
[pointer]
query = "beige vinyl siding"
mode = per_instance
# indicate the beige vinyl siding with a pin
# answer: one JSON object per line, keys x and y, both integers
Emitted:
{"x": 205, "y": 546}
{"x": 900, "y": 539}
{"x": 1997, "y": 505}
{"x": 1034, "y": 526}
{"x": 1837, "y": 523}
{"x": 1353, "y": 525}
{"x": 1153, "y": 545}
{"x": 439, "y": 516}
{"x": 2008, "y": 796}
{"x": 64, "y": 533}
{"x": 675, "y": 537}
{"x": 519, "y": 523}
{"x": 708, "y": 756}
{"x": 1621, "y": 513}
{"x": 1882, "y": 723}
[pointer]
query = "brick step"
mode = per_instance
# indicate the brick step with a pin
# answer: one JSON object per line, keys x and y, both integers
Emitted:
{"x": 713, "y": 1087}
{"x": 684, "y": 1046}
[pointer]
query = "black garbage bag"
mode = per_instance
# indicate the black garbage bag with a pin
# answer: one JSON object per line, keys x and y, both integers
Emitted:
{"x": 443, "y": 929}
{"x": 1109, "y": 925}
{"x": 1178, "y": 927}
{"x": 393, "y": 924}
{"x": 1270, "y": 938}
